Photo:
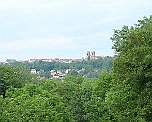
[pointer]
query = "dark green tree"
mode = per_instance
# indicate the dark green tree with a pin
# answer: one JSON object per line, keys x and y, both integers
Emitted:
{"x": 13, "y": 77}
{"x": 130, "y": 98}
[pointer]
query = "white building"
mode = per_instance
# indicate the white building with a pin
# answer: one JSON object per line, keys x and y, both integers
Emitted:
{"x": 33, "y": 71}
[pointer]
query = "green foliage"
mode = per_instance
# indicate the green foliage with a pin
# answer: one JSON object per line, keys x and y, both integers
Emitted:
{"x": 73, "y": 72}
{"x": 103, "y": 84}
{"x": 2, "y": 108}
{"x": 97, "y": 108}
{"x": 74, "y": 79}
{"x": 130, "y": 99}
{"x": 77, "y": 97}
{"x": 12, "y": 77}
{"x": 33, "y": 103}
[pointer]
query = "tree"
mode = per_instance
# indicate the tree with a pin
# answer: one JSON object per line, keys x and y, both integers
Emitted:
{"x": 12, "y": 77}
{"x": 77, "y": 97}
{"x": 130, "y": 99}
{"x": 34, "y": 103}
{"x": 73, "y": 72}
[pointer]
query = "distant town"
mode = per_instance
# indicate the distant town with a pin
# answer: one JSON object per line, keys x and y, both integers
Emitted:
{"x": 57, "y": 74}
{"x": 90, "y": 55}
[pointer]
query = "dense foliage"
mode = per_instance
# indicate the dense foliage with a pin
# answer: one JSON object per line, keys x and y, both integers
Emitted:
{"x": 12, "y": 77}
{"x": 121, "y": 95}
{"x": 130, "y": 97}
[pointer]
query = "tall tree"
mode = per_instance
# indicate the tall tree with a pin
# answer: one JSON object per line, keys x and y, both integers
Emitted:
{"x": 130, "y": 98}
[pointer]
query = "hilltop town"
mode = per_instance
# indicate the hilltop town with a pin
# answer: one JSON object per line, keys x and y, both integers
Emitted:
{"x": 90, "y": 55}
{"x": 90, "y": 66}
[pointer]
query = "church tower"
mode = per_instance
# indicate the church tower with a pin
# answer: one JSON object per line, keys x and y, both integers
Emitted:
{"x": 88, "y": 55}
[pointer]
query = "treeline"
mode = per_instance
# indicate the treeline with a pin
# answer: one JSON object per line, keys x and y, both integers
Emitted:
{"x": 86, "y": 68}
{"x": 121, "y": 95}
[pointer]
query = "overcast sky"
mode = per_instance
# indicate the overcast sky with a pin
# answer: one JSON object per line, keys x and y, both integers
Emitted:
{"x": 64, "y": 28}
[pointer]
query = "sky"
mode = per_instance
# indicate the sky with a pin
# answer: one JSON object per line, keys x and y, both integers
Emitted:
{"x": 64, "y": 28}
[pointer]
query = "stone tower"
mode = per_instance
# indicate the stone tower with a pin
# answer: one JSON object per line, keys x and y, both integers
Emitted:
{"x": 93, "y": 54}
{"x": 88, "y": 55}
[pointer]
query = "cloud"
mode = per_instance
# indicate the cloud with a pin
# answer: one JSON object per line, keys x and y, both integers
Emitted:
{"x": 36, "y": 44}
{"x": 65, "y": 46}
{"x": 85, "y": 5}
{"x": 109, "y": 7}
{"x": 61, "y": 26}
